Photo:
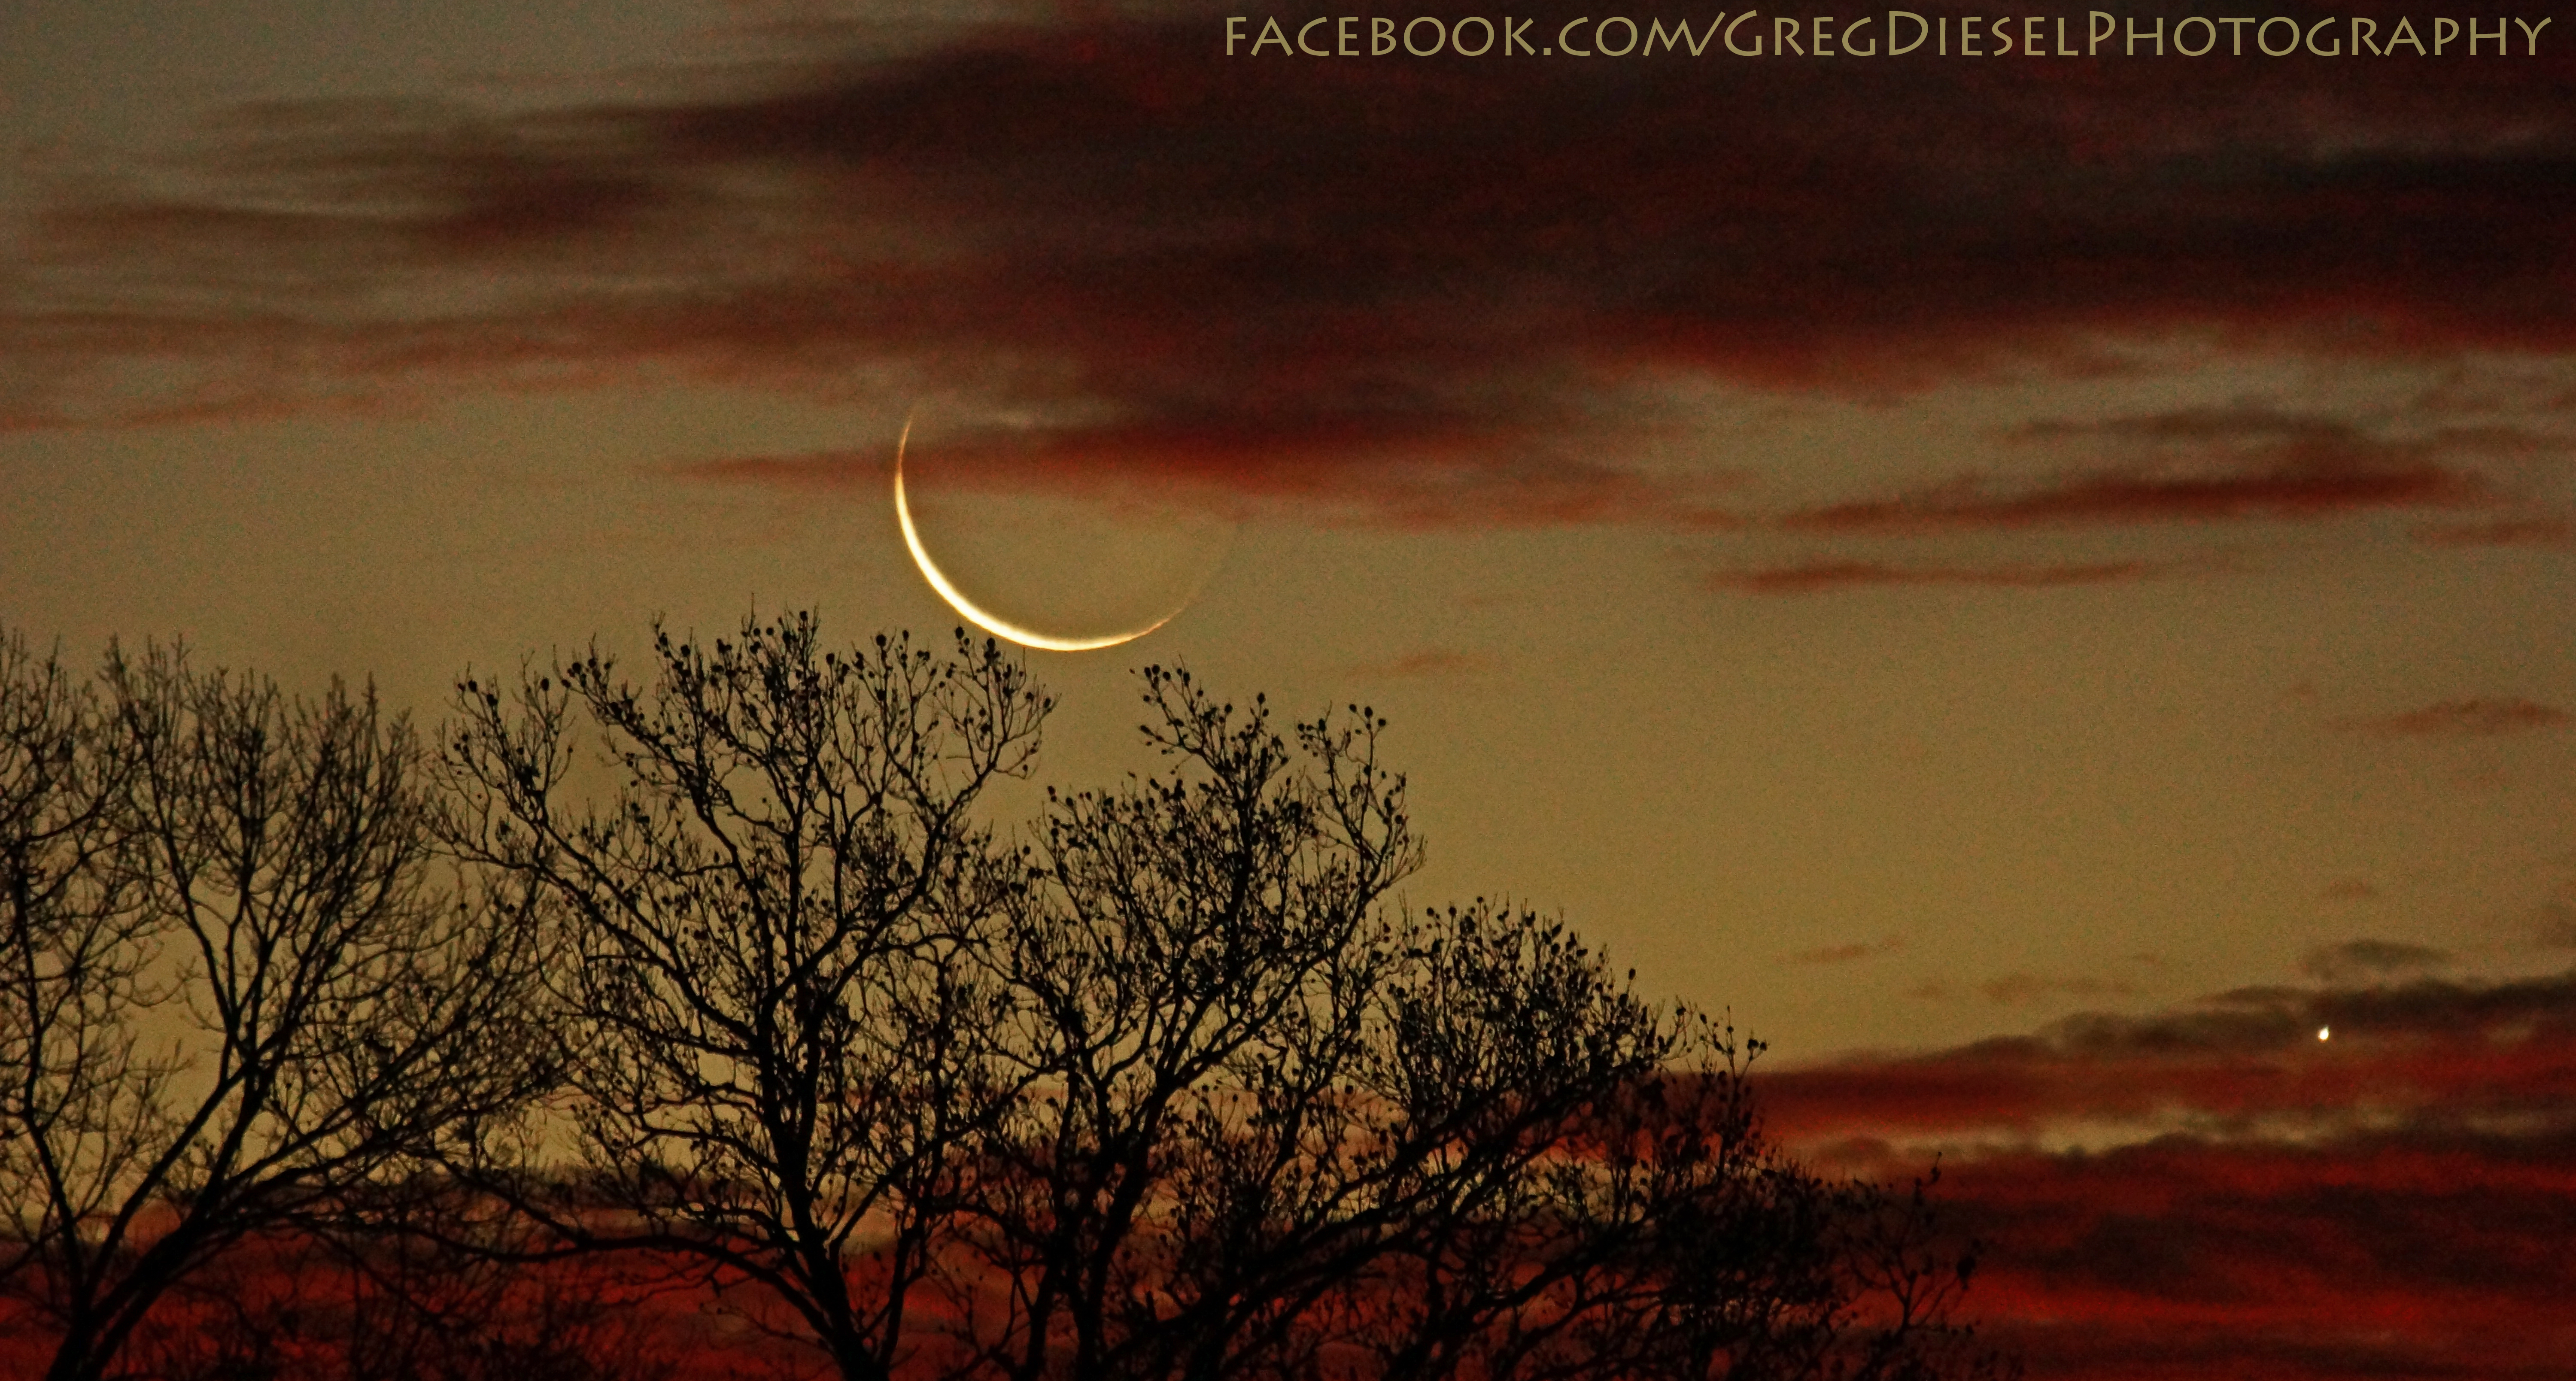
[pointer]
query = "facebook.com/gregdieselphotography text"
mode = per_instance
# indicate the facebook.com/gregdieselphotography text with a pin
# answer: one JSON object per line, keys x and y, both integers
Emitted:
{"x": 1895, "y": 33}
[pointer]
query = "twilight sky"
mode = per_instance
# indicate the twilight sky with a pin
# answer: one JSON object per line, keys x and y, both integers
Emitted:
{"x": 1905, "y": 548}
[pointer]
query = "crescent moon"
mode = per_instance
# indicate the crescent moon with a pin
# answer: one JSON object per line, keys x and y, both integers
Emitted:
{"x": 975, "y": 614}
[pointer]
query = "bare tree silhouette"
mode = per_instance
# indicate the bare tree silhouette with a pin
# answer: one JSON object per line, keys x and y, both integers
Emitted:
{"x": 772, "y": 1002}
{"x": 1271, "y": 1130}
{"x": 237, "y": 995}
{"x": 1165, "y": 1091}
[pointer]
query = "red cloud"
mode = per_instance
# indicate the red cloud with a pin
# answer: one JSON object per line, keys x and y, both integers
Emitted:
{"x": 2189, "y": 1259}
{"x": 2199, "y": 466}
{"x": 1291, "y": 272}
{"x": 2503, "y": 532}
{"x": 2286, "y": 492}
{"x": 2431, "y": 1048}
{"x": 1822, "y": 576}
{"x": 2474, "y": 718}
{"x": 2254, "y": 1202}
{"x": 1845, "y": 954}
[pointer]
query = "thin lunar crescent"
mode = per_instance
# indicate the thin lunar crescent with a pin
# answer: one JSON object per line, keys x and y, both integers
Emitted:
{"x": 980, "y": 617}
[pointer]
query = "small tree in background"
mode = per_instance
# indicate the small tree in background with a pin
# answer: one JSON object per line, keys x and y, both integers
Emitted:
{"x": 237, "y": 994}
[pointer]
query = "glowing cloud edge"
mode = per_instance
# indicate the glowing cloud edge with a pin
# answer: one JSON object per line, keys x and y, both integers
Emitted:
{"x": 966, "y": 608}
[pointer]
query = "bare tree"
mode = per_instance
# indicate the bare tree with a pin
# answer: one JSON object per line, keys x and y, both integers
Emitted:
{"x": 1195, "y": 987}
{"x": 771, "y": 1002}
{"x": 241, "y": 995}
{"x": 1168, "y": 1093}
{"x": 1274, "y": 1132}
